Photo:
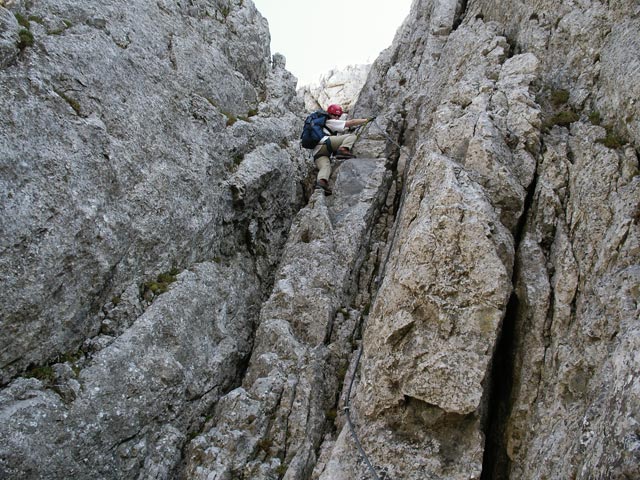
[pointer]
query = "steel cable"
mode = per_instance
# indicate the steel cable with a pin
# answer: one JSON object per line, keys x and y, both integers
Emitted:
{"x": 378, "y": 280}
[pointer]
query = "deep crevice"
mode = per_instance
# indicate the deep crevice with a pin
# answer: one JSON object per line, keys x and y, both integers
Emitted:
{"x": 496, "y": 463}
{"x": 459, "y": 15}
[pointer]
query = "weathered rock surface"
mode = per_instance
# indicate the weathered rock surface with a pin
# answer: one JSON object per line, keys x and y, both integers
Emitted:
{"x": 129, "y": 409}
{"x": 122, "y": 130}
{"x": 577, "y": 331}
{"x": 141, "y": 152}
{"x": 336, "y": 86}
{"x": 170, "y": 312}
{"x": 461, "y": 373}
{"x": 274, "y": 423}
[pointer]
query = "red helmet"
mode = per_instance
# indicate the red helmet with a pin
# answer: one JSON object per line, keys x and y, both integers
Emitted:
{"x": 334, "y": 110}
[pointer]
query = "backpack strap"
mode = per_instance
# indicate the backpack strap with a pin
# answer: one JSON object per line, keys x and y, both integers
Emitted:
{"x": 327, "y": 143}
{"x": 328, "y": 130}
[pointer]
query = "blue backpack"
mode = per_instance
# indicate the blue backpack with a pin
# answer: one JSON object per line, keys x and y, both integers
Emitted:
{"x": 312, "y": 132}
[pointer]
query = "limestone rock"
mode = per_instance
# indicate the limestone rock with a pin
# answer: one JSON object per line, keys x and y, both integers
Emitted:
{"x": 9, "y": 37}
{"x": 336, "y": 86}
{"x": 140, "y": 395}
{"x": 170, "y": 310}
{"x": 275, "y": 422}
{"x": 489, "y": 174}
{"x": 578, "y": 326}
{"x": 120, "y": 129}
{"x": 133, "y": 272}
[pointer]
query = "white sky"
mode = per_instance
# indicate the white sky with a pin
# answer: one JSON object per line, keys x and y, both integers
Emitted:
{"x": 355, "y": 32}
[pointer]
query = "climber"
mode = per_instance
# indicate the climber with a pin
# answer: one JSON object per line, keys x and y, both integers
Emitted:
{"x": 340, "y": 145}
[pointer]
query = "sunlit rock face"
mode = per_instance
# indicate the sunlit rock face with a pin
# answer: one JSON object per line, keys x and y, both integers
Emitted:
{"x": 179, "y": 303}
{"x": 339, "y": 86}
{"x": 502, "y": 340}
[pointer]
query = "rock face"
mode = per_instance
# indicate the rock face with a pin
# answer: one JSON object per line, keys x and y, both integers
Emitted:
{"x": 337, "y": 86}
{"x": 277, "y": 419}
{"x": 178, "y": 304}
{"x": 147, "y": 186}
{"x": 117, "y": 156}
{"x": 502, "y": 340}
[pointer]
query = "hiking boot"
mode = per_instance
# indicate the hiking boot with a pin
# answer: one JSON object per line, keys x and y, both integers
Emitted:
{"x": 324, "y": 185}
{"x": 344, "y": 152}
